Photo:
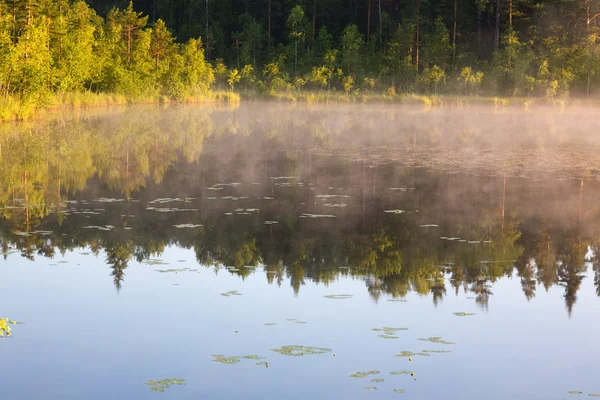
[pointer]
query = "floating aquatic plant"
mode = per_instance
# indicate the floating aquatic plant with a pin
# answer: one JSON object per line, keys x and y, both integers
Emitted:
{"x": 378, "y": 380}
{"x": 305, "y": 215}
{"x": 407, "y": 353}
{"x": 221, "y": 359}
{"x": 176, "y": 270}
{"x": 436, "y": 351}
{"x": 398, "y": 300}
{"x": 100, "y": 228}
{"x": 262, "y": 363}
{"x": 161, "y": 385}
{"x": 270, "y": 323}
{"x": 398, "y": 391}
{"x": 363, "y": 374}
{"x": 594, "y": 394}
{"x": 575, "y": 392}
{"x": 388, "y": 332}
{"x": 298, "y": 351}
{"x": 463, "y": 314}
{"x": 370, "y": 388}
{"x": 436, "y": 339}
{"x": 154, "y": 261}
{"x": 5, "y": 328}
{"x": 338, "y": 296}
{"x": 231, "y": 293}
{"x": 301, "y": 322}
{"x": 403, "y": 372}
{"x": 330, "y": 196}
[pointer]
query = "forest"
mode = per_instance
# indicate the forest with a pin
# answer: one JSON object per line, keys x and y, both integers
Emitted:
{"x": 72, "y": 51}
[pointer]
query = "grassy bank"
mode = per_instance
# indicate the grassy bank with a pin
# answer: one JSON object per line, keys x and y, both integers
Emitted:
{"x": 13, "y": 109}
{"x": 326, "y": 97}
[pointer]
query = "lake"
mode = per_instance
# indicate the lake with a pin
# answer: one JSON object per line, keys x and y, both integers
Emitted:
{"x": 301, "y": 251}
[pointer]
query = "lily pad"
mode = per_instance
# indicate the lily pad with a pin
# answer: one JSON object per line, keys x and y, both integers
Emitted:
{"x": 270, "y": 323}
{"x": 305, "y": 215}
{"x": 388, "y": 332}
{"x": 594, "y": 394}
{"x": 363, "y": 374}
{"x": 436, "y": 339}
{"x": 436, "y": 351}
{"x": 221, "y": 359}
{"x": 407, "y": 353}
{"x": 154, "y": 261}
{"x": 298, "y": 351}
{"x": 403, "y": 372}
{"x": 338, "y": 296}
{"x": 370, "y": 388}
{"x": 231, "y": 293}
{"x": 398, "y": 391}
{"x": 253, "y": 357}
{"x": 462, "y": 314}
{"x": 262, "y": 363}
{"x": 301, "y": 322}
{"x": 161, "y": 385}
{"x": 378, "y": 380}
{"x": 575, "y": 392}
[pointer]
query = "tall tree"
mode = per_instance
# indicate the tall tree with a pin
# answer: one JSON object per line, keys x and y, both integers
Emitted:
{"x": 296, "y": 28}
{"x": 129, "y": 22}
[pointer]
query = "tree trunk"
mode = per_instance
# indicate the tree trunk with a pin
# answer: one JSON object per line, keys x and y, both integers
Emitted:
{"x": 479, "y": 28}
{"x": 510, "y": 13}
{"x": 128, "y": 44}
{"x": 314, "y": 19}
{"x": 207, "y": 44}
{"x": 454, "y": 33}
{"x": 380, "y": 25}
{"x": 587, "y": 93}
{"x": 587, "y": 15}
{"x": 269, "y": 26}
{"x": 497, "y": 38}
{"x": 417, "y": 42}
{"x": 369, "y": 19}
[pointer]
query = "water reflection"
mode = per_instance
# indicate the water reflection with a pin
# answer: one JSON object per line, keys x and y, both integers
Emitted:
{"x": 304, "y": 192}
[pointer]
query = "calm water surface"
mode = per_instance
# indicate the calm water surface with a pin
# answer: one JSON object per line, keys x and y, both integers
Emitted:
{"x": 124, "y": 235}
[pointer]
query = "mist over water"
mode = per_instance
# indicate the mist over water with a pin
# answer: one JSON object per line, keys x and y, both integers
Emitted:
{"x": 129, "y": 231}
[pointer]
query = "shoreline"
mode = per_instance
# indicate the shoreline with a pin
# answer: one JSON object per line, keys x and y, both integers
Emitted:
{"x": 11, "y": 110}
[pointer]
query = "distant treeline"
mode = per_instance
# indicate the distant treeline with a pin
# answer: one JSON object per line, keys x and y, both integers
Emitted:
{"x": 500, "y": 48}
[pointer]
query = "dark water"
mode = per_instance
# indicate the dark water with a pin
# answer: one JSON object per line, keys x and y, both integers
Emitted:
{"x": 123, "y": 233}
